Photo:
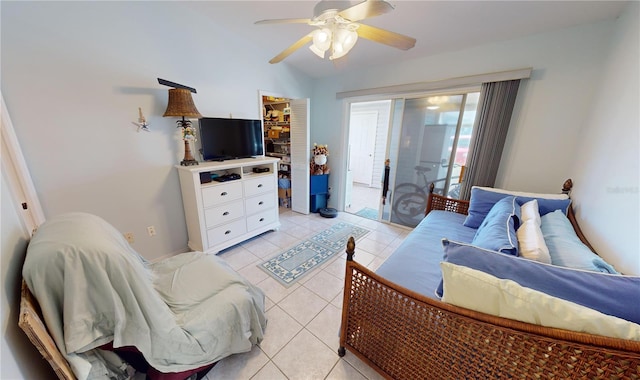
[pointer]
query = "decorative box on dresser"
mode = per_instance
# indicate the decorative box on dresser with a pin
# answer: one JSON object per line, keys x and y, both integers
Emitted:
{"x": 222, "y": 214}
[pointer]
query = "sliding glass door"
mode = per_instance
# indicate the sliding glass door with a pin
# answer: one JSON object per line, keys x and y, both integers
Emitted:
{"x": 429, "y": 143}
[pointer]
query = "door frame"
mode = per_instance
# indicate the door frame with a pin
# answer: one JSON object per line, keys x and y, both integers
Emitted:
{"x": 346, "y": 120}
{"x": 393, "y": 96}
{"x": 14, "y": 167}
{"x": 294, "y": 194}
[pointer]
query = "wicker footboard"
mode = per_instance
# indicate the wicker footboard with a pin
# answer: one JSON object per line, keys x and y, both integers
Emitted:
{"x": 404, "y": 335}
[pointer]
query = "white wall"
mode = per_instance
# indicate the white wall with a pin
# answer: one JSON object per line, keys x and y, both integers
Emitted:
{"x": 73, "y": 77}
{"x": 607, "y": 163}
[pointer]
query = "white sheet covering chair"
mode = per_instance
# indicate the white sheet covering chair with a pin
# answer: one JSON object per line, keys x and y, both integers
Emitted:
{"x": 94, "y": 290}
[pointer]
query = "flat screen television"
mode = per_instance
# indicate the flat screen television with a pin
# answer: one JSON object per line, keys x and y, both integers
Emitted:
{"x": 226, "y": 139}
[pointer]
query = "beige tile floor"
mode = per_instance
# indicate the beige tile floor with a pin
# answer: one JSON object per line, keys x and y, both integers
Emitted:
{"x": 363, "y": 196}
{"x": 301, "y": 339}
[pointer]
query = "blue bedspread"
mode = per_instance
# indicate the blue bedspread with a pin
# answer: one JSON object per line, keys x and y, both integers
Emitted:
{"x": 415, "y": 264}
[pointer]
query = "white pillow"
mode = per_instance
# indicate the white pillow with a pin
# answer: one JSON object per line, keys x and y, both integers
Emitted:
{"x": 479, "y": 291}
{"x": 531, "y": 242}
{"x": 530, "y": 210}
{"x": 524, "y": 194}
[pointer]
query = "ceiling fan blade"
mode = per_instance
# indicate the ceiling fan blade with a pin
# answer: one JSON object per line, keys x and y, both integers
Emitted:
{"x": 386, "y": 37}
{"x": 296, "y": 45}
{"x": 366, "y": 9}
{"x": 284, "y": 21}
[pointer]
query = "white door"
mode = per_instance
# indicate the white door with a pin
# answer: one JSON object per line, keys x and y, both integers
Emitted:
{"x": 362, "y": 137}
{"x": 300, "y": 155}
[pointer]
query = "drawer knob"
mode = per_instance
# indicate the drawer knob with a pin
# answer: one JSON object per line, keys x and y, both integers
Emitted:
{"x": 225, "y": 213}
{"x": 223, "y": 193}
{"x": 260, "y": 185}
{"x": 227, "y": 232}
{"x": 260, "y": 203}
{"x": 262, "y": 219}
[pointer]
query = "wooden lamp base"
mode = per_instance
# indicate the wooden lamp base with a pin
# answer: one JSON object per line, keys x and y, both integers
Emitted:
{"x": 188, "y": 157}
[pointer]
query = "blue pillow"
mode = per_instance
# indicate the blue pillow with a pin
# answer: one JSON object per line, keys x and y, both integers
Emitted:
{"x": 480, "y": 204}
{"x": 482, "y": 199}
{"x": 546, "y": 206}
{"x": 498, "y": 229}
{"x": 565, "y": 247}
{"x": 608, "y": 293}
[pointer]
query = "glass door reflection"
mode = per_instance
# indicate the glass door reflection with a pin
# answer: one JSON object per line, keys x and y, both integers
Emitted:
{"x": 432, "y": 140}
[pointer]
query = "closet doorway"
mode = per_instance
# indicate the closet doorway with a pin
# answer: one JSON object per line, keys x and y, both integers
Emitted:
{"x": 286, "y": 136}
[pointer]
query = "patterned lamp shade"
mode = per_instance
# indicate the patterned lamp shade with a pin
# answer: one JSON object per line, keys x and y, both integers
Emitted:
{"x": 181, "y": 104}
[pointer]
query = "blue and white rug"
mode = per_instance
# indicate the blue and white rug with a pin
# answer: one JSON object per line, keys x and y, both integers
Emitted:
{"x": 290, "y": 265}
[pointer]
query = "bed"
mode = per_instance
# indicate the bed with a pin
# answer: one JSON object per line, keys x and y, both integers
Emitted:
{"x": 95, "y": 308}
{"x": 393, "y": 321}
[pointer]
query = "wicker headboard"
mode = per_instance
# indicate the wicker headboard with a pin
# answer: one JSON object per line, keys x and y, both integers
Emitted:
{"x": 30, "y": 321}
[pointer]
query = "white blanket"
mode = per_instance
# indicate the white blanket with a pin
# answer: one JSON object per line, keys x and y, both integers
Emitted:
{"x": 181, "y": 313}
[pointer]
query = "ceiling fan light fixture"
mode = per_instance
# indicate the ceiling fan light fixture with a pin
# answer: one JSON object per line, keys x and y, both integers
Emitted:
{"x": 322, "y": 39}
{"x": 336, "y": 23}
{"x": 344, "y": 39}
{"x": 316, "y": 51}
{"x": 337, "y": 51}
{"x": 349, "y": 39}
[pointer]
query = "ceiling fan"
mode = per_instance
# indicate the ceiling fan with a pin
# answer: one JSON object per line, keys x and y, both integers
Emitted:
{"x": 338, "y": 29}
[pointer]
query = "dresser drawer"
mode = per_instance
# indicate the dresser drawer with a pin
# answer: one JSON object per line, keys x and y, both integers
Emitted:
{"x": 226, "y": 232}
{"x": 260, "y": 203}
{"x": 218, "y": 194}
{"x": 223, "y": 214}
{"x": 261, "y": 219}
{"x": 262, "y": 184}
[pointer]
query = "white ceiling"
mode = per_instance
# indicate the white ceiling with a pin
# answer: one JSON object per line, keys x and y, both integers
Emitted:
{"x": 438, "y": 26}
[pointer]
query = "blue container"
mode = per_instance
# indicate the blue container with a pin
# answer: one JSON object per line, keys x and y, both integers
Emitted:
{"x": 317, "y": 202}
{"x": 319, "y": 192}
{"x": 319, "y": 184}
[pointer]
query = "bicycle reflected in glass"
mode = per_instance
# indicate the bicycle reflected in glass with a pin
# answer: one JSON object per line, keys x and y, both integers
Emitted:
{"x": 410, "y": 199}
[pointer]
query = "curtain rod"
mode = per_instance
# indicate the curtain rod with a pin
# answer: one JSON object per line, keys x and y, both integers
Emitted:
{"x": 440, "y": 84}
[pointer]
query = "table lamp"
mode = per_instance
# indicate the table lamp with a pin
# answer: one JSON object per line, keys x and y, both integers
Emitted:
{"x": 181, "y": 104}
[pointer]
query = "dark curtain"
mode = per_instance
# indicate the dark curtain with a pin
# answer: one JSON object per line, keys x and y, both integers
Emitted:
{"x": 489, "y": 134}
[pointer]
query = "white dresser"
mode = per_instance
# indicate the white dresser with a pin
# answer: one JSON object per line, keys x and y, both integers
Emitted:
{"x": 222, "y": 214}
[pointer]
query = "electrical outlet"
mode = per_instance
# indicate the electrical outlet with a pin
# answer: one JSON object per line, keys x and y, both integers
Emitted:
{"x": 129, "y": 237}
{"x": 151, "y": 230}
